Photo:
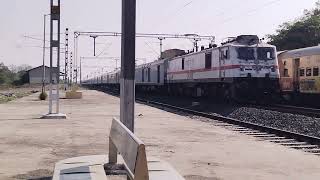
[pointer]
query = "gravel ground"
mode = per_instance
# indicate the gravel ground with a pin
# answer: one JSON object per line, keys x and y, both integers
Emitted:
{"x": 9, "y": 94}
{"x": 286, "y": 121}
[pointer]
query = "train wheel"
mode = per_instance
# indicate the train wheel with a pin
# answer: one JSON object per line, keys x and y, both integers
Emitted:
{"x": 229, "y": 96}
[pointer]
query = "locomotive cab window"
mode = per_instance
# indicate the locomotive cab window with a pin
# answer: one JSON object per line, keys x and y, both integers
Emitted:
{"x": 316, "y": 71}
{"x": 266, "y": 53}
{"x": 208, "y": 60}
{"x": 246, "y": 53}
{"x": 301, "y": 72}
{"x": 308, "y": 72}
{"x": 224, "y": 54}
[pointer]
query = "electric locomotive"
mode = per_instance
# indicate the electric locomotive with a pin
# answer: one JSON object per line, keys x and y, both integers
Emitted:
{"x": 242, "y": 68}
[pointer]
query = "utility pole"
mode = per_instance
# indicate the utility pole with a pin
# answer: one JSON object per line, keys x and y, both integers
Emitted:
{"x": 71, "y": 69}
{"x": 80, "y": 70}
{"x": 127, "y": 84}
{"x": 75, "y": 54}
{"x": 54, "y": 44}
{"x": 66, "y": 59}
{"x": 196, "y": 44}
{"x": 44, "y": 54}
{"x": 161, "y": 39}
{"x": 94, "y": 44}
{"x": 76, "y": 74}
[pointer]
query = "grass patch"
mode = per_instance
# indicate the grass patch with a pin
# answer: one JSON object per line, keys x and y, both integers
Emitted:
{"x": 6, "y": 97}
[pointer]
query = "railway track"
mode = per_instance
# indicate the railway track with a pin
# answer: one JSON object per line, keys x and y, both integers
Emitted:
{"x": 292, "y": 109}
{"x": 293, "y": 140}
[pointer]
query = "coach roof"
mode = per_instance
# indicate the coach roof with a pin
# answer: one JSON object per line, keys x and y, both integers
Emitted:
{"x": 309, "y": 51}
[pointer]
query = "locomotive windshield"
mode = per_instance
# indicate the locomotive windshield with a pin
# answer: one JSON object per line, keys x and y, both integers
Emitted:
{"x": 246, "y": 53}
{"x": 266, "y": 53}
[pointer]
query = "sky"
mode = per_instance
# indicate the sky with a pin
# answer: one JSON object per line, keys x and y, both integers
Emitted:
{"x": 21, "y": 18}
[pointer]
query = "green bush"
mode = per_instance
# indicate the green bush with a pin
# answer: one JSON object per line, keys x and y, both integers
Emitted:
{"x": 43, "y": 96}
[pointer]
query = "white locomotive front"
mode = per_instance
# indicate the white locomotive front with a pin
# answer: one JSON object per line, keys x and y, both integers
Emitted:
{"x": 240, "y": 67}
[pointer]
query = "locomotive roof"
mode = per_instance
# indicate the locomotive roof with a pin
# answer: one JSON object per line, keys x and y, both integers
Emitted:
{"x": 233, "y": 44}
{"x": 309, "y": 51}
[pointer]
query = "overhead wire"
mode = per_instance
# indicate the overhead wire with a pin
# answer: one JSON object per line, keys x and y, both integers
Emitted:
{"x": 38, "y": 39}
{"x": 250, "y": 11}
{"x": 107, "y": 46}
{"x": 151, "y": 48}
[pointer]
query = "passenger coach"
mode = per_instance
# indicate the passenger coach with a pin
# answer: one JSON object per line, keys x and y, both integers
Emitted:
{"x": 299, "y": 69}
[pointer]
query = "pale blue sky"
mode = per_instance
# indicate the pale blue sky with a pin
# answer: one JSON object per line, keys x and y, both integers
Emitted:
{"x": 205, "y": 17}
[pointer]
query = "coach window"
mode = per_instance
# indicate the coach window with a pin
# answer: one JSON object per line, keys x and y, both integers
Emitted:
{"x": 301, "y": 72}
{"x": 149, "y": 79}
{"x": 142, "y": 75}
{"x": 286, "y": 73}
{"x": 208, "y": 61}
{"x": 182, "y": 64}
{"x": 316, "y": 71}
{"x": 308, "y": 72}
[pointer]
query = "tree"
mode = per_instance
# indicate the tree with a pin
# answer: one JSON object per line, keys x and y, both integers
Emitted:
{"x": 303, "y": 32}
{"x": 5, "y": 74}
{"x": 15, "y": 75}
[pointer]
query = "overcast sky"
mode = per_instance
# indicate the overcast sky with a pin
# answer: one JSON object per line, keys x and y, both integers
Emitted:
{"x": 222, "y": 19}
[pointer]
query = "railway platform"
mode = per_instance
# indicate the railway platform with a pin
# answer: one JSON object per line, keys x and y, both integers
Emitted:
{"x": 30, "y": 146}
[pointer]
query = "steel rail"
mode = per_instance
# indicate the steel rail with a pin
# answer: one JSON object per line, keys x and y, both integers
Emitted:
{"x": 299, "y": 137}
{"x": 291, "y": 109}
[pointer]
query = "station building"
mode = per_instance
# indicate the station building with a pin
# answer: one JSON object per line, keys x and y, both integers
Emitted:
{"x": 35, "y": 75}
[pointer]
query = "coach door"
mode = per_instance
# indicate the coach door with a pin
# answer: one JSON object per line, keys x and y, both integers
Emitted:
{"x": 296, "y": 73}
{"x": 158, "y": 74}
{"x": 142, "y": 74}
{"x": 223, "y": 55}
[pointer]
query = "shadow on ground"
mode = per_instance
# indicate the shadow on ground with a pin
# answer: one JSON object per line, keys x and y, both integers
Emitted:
{"x": 40, "y": 174}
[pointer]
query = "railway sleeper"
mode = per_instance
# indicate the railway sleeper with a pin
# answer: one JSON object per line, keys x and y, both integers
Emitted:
{"x": 293, "y": 143}
{"x": 304, "y": 146}
{"x": 265, "y": 136}
{"x": 282, "y": 140}
{"x": 256, "y": 134}
{"x": 274, "y": 137}
{"x": 316, "y": 151}
{"x": 224, "y": 125}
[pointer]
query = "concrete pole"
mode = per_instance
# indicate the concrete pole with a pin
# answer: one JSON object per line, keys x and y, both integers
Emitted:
{"x": 51, "y": 63}
{"x": 66, "y": 58}
{"x": 127, "y": 79}
{"x": 54, "y": 43}
{"x": 80, "y": 71}
{"x": 161, "y": 39}
{"x": 94, "y": 44}
{"x": 71, "y": 70}
{"x": 44, "y": 54}
{"x": 58, "y": 64}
